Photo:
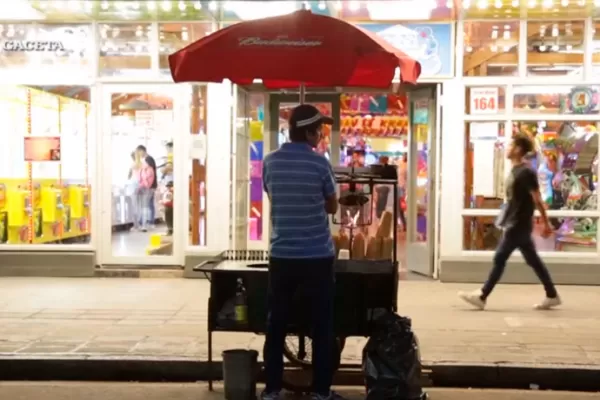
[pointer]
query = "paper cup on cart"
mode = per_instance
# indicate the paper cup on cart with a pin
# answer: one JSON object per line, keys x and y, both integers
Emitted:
{"x": 344, "y": 254}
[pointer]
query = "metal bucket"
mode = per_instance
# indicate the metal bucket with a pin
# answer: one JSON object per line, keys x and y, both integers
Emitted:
{"x": 240, "y": 370}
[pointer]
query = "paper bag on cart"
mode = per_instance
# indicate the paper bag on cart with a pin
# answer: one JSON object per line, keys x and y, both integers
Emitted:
{"x": 391, "y": 361}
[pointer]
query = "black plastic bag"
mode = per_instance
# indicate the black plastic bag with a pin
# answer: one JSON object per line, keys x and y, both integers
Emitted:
{"x": 391, "y": 361}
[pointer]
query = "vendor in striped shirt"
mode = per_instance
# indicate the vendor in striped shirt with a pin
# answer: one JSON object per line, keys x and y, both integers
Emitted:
{"x": 301, "y": 187}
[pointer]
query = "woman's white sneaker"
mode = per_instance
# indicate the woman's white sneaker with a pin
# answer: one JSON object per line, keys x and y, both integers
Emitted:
{"x": 548, "y": 303}
{"x": 473, "y": 298}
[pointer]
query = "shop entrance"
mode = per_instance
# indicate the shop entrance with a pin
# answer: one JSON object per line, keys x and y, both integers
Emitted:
{"x": 420, "y": 182}
{"x": 138, "y": 174}
{"x": 371, "y": 127}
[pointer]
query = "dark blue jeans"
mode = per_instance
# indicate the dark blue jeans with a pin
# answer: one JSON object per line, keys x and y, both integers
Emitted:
{"x": 152, "y": 208}
{"x": 518, "y": 238}
{"x": 316, "y": 278}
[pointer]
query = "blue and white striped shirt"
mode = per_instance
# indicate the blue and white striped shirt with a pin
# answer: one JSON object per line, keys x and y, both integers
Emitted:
{"x": 298, "y": 180}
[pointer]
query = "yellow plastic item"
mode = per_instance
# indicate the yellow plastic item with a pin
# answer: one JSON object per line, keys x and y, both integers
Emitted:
{"x": 155, "y": 240}
{"x": 52, "y": 204}
{"x": 79, "y": 201}
{"x": 19, "y": 207}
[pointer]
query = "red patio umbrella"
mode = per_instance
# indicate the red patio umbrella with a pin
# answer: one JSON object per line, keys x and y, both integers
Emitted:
{"x": 297, "y": 49}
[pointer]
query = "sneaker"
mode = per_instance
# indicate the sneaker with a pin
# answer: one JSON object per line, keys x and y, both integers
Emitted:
{"x": 548, "y": 303}
{"x": 473, "y": 298}
{"x": 270, "y": 396}
{"x": 331, "y": 396}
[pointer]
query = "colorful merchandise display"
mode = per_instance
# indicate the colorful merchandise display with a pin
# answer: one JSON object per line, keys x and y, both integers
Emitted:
{"x": 566, "y": 163}
{"x": 46, "y": 201}
{"x": 367, "y": 120}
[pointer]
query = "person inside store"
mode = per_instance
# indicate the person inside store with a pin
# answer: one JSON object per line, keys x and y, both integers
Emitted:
{"x": 166, "y": 168}
{"x": 516, "y": 220}
{"x": 149, "y": 160}
{"x": 383, "y": 191}
{"x": 144, "y": 193}
{"x": 301, "y": 187}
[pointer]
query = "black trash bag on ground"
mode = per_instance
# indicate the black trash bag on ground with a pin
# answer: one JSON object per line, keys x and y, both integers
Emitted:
{"x": 391, "y": 361}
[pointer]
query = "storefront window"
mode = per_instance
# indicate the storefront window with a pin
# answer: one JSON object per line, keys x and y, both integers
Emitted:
{"x": 491, "y": 48}
{"x": 555, "y": 48}
{"x": 45, "y": 166}
{"x": 565, "y": 160}
{"x": 197, "y": 175}
{"x": 64, "y": 49}
{"x": 596, "y": 49}
{"x": 485, "y": 100}
{"x": 125, "y": 49}
{"x": 571, "y": 234}
{"x": 175, "y": 36}
{"x": 549, "y": 100}
{"x": 485, "y": 155}
{"x": 257, "y": 116}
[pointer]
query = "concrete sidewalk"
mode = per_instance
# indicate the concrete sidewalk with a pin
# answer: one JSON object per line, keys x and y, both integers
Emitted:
{"x": 78, "y": 318}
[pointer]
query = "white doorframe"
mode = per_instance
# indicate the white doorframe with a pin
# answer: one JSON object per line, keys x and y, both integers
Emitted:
{"x": 420, "y": 254}
{"x": 104, "y": 173}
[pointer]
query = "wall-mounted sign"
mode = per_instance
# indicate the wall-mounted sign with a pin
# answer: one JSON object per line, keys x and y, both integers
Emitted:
{"x": 583, "y": 100}
{"x": 430, "y": 44}
{"x": 42, "y": 148}
{"x": 484, "y": 100}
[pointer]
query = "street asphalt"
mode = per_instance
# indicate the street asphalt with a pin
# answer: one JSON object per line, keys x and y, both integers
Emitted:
{"x": 136, "y": 391}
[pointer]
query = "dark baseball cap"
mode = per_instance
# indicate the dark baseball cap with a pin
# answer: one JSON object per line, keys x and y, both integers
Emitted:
{"x": 307, "y": 115}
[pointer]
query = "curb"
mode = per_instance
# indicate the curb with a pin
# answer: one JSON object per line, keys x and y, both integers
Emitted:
{"x": 160, "y": 369}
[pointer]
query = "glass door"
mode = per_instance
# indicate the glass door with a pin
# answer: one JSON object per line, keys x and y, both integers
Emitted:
{"x": 140, "y": 223}
{"x": 421, "y": 182}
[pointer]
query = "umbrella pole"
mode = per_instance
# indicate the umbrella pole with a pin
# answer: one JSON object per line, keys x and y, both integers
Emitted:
{"x": 302, "y": 93}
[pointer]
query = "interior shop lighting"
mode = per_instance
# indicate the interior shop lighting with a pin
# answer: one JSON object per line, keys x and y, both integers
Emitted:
{"x": 498, "y": 4}
{"x": 532, "y": 3}
{"x": 597, "y": 3}
{"x": 515, "y": 3}
{"x": 322, "y": 5}
{"x": 449, "y": 4}
{"x": 400, "y": 10}
{"x": 75, "y": 5}
{"x": 182, "y": 6}
{"x": 466, "y": 4}
{"x": 151, "y": 5}
{"x": 548, "y": 4}
{"x": 482, "y": 4}
{"x": 354, "y": 6}
{"x": 21, "y": 10}
{"x": 212, "y": 6}
{"x": 261, "y": 9}
{"x": 104, "y": 5}
{"x": 166, "y": 5}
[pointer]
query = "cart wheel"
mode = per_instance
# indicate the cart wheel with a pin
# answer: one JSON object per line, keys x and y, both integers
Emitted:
{"x": 298, "y": 350}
